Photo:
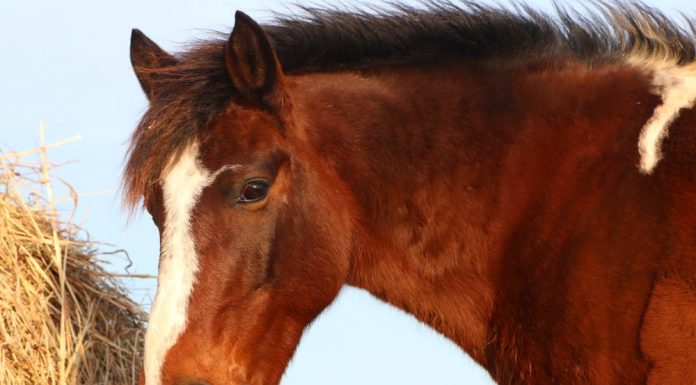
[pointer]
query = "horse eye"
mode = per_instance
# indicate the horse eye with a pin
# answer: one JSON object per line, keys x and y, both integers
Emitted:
{"x": 253, "y": 191}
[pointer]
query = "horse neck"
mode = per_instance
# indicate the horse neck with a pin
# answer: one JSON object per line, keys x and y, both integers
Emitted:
{"x": 419, "y": 152}
{"x": 461, "y": 171}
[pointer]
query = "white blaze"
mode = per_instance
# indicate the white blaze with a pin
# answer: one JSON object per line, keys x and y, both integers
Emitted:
{"x": 676, "y": 85}
{"x": 182, "y": 186}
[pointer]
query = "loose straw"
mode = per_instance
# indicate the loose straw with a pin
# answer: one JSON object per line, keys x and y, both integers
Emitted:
{"x": 64, "y": 320}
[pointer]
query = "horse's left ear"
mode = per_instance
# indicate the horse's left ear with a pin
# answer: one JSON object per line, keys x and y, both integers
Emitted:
{"x": 252, "y": 63}
{"x": 147, "y": 57}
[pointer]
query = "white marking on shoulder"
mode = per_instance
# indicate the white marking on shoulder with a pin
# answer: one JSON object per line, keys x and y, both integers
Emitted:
{"x": 676, "y": 85}
{"x": 182, "y": 186}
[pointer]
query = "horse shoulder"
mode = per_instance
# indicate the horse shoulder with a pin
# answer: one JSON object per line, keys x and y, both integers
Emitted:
{"x": 668, "y": 333}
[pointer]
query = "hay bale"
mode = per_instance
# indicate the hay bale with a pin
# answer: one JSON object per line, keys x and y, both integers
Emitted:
{"x": 64, "y": 320}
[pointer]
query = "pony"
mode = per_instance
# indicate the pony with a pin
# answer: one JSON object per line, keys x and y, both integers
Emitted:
{"x": 522, "y": 182}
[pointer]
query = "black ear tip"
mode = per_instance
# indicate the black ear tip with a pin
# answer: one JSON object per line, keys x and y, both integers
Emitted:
{"x": 240, "y": 16}
{"x": 137, "y": 36}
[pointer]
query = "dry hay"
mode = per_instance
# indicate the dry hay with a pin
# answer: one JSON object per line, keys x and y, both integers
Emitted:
{"x": 64, "y": 319}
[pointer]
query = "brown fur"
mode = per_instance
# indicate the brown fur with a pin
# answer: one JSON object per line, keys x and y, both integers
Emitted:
{"x": 498, "y": 201}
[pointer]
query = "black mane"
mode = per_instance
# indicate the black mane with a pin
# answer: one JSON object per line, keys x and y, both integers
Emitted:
{"x": 331, "y": 39}
{"x": 190, "y": 94}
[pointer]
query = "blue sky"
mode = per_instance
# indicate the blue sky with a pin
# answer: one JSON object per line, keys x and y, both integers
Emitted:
{"x": 66, "y": 63}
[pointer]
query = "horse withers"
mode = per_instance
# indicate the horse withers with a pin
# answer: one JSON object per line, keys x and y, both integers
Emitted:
{"x": 523, "y": 183}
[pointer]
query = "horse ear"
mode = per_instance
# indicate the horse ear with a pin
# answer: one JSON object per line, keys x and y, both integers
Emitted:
{"x": 252, "y": 62}
{"x": 146, "y": 57}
